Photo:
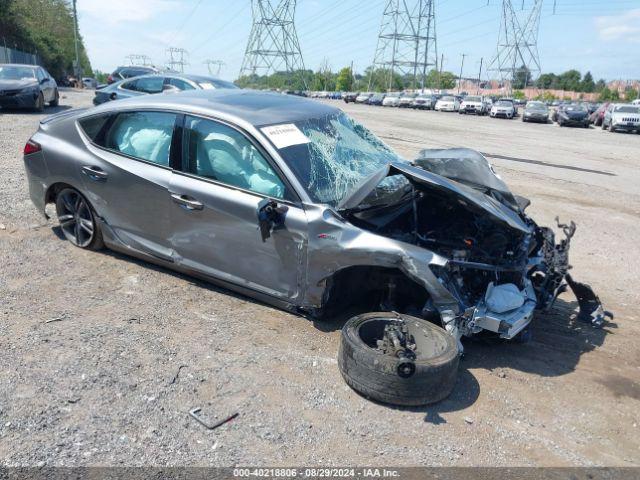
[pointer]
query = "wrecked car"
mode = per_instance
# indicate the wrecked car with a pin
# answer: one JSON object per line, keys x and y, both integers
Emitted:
{"x": 294, "y": 203}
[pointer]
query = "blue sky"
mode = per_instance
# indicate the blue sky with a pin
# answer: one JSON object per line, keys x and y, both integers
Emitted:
{"x": 602, "y": 36}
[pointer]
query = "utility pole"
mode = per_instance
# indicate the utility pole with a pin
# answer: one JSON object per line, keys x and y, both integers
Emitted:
{"x": 273, "y": 42}
{"x": 479, "y": 75}
{"x": 77, "y": 71}
{"x": 440, "y": 71}
{"x": 461, "y": 67}
{"x": 177, "y": 59}
{"x": 517, "y": 43}
{"x": 211, "y": 63}
{"x": 138, "y": 59}
{"x": 407, "y": 41}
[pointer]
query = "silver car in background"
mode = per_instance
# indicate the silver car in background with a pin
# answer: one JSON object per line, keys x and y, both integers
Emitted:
{"x": 622, "y": 117}
{"x": 292, "y": 202}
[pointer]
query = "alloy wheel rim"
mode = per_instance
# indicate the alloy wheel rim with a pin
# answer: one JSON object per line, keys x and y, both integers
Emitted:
{"x": 75, "y": 218}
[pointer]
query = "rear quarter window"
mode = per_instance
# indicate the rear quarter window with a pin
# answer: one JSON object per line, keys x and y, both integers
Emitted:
{"x": 92, "y": 126}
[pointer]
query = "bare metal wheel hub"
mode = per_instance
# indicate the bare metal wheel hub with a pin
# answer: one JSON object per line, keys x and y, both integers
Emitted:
{"x": 75, "y": 217}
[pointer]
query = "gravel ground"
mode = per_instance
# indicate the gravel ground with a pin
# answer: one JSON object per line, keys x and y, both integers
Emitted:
{"x": 134, "y": 347}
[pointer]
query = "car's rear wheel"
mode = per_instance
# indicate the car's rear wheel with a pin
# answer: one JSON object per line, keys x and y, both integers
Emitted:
{"x": 398, "y": 359}
{"x": 78, "y": 220}
{"x": 56, "y": 99}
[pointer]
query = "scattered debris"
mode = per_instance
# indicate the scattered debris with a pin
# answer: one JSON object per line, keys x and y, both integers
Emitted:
{"x": 3, "y": 226}
{"x": 73, "y": 400}
{"x": 194, "y": 413}
{"x": 502, "y": 375}
{"x": 469, "y": 420}
{"x": 57, "y": 319}
{"x": 175, "y": 377}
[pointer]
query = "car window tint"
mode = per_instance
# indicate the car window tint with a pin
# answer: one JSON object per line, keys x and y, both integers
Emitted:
{"x": 218, "y": 152}
{"x": 130, "y": 85}
{"x": 181, "y": 84}
{"x": 92, "y": 125}
{"x": 40, "y": 74}
{"x": 144, "y": 135}
{"x": 150, "y": 84}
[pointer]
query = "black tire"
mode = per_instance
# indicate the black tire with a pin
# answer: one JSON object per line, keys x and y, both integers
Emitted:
{"x": 78, "y": 220}
{"x": 39, "y": 107}
{"x": 378, "y": 376}
{"x": 56, "y": 99}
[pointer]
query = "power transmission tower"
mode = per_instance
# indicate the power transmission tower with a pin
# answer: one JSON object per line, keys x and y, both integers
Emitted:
{"x": 138, "y": 59}
{"x": 214, "y": 63}
{"x": 273, "y": 43}
{"x": 517, "y": 43}
{"x": 177, "y": 59}
{"x": 407, "y": 41}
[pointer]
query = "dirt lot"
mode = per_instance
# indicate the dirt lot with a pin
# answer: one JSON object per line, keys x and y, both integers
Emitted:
{"x": 136, "y": 347}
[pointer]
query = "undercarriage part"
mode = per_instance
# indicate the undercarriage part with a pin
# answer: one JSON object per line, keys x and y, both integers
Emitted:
{"x": 398, "y": 359}
{"x": 591, "y": 309}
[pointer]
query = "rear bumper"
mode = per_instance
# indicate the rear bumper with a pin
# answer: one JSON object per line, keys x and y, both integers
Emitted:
{"x": 37, "y": 173}
{"x": 21, "y": 100}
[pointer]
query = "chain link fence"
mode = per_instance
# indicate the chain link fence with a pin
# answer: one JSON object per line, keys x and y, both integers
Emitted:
{"x": 13, "y": 55}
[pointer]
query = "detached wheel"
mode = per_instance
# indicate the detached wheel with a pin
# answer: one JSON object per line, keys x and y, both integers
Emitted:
{"x": 77, "y": 220}
{"x": 373, "y": 362}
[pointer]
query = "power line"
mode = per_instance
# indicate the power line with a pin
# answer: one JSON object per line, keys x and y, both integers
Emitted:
{"x": 177, "y": 59}
{"x": 407, "y": 41}
{"x": 273, "y": 42}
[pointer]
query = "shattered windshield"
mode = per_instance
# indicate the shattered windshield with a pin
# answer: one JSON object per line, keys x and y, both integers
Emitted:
{"x": 336, "y": 156}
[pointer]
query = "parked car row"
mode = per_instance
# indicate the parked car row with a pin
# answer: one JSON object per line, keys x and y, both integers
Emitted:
{"x": 609, "y": 116}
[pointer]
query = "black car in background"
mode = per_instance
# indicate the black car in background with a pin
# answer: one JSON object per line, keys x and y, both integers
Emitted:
{"x": 350, "y": 97}
{"x": 122, "y": 73}
{"x": 27, "y": 86}
{"x": 377, "y": 99}
{"x": 573, "y": 115}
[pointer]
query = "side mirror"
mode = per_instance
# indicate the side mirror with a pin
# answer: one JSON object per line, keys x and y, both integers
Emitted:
{"x": 43, "y": 81}
{"x": 270, "y": 216}
{"x": 113, "y": 96}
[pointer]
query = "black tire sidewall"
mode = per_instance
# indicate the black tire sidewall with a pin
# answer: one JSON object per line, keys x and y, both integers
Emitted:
{"x": 96, "y": 242}
{"x": 375, "y": 375}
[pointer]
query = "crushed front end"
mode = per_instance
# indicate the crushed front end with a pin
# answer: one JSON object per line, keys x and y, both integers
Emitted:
{"x": 499, "y": 265}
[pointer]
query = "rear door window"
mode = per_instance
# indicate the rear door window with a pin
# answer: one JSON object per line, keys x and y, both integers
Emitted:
{"x": 143, "y": 135}
{"x": 92, "y": 126}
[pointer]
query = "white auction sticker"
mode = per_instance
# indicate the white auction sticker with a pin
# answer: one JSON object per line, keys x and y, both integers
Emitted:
{"x": 284, "y": 136}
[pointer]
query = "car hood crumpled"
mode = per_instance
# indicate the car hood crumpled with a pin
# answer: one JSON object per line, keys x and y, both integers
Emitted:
{"x": 420, "y": 176}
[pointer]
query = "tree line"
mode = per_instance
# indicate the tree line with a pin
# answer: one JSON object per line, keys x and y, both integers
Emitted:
{"x": 345, "y": 80}
{"x": 44, "y": 27}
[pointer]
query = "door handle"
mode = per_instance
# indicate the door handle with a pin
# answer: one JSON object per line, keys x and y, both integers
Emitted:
{"x": 186, "y": 202}
{"x": 94, "y": 173}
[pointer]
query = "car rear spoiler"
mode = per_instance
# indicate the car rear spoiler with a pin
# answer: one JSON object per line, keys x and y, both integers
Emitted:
{"x": 62, "y": 115}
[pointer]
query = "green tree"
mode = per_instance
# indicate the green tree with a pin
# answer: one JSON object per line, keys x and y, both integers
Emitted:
{"x": 45, "y": 27}
{"x": 344, "y": 81}
{"x": 519, "y": 95}
{"x": 587, "y": 85}
{"x": 630, "y": 94}
{"x": 521, "y": 77}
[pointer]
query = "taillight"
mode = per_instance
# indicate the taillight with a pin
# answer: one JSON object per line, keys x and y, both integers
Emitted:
{"x": 32, "y": 147}
{"x": 109, "y": 79}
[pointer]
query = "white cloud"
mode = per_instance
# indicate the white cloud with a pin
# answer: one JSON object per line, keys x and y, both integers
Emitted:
{"x": 624, "y": 27}
{"x": 116, "y": 11}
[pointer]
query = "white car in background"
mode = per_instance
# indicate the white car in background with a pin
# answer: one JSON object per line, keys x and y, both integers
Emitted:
{"x": 473, "y": 104}
{"x": 364, "y": 97}
{"x": 406, "y": 100}
{"x": 619, "y": 116}
{"x": 503, "y": 109}
{"x": 448, "y": 103}
{"x": 392, "y": 99}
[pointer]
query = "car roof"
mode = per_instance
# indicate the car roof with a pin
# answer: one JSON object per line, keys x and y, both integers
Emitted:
{"x": 19, "y": 65}
{"x": 254, "y": 107}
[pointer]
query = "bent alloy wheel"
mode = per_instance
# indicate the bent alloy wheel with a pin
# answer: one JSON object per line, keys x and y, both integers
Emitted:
{"x": 398, "y": 359}
{"x": 77, "y": 220}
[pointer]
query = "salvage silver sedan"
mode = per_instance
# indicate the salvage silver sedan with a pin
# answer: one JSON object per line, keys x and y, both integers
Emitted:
{"x": 292, "y": 202}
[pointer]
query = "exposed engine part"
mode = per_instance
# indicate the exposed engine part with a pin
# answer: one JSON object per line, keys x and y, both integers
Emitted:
{"x": 397, "y": 342}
